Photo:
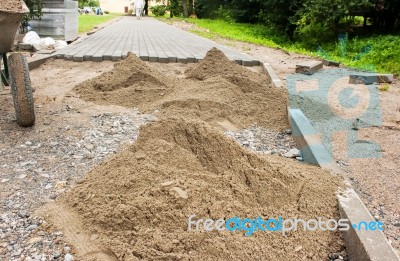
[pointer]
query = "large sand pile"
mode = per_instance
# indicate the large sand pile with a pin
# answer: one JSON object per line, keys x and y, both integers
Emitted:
{"x": 136, "y": 205}
{"x": 216, "y": 90}
{"x": 10, "y": 5}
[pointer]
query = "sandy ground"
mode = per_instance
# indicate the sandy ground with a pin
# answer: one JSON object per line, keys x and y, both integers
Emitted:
{"x": 70, "y": 137}
{"x": 376, "y": 180}
{"x": 10, "y": 5}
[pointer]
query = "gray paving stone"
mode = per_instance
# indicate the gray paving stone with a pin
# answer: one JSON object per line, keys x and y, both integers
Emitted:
{"x": 97, "y": 58}
{"x": 309, "y": 67}
{"x": 77, "y": 58}
{"x": 370, "y": 78}
{"x": 247, "y": 63}
{"x": 149, "y": 39}
{"x": 163, "y": 59}
{"x": 153, "y": 59}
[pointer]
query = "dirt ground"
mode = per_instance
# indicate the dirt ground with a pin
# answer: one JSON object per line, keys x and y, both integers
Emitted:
{"x": 215, "y": 90}
{"x": 376, "y": 180}
{"x": 201, "y": 171}
{"x": 72, "y": 136}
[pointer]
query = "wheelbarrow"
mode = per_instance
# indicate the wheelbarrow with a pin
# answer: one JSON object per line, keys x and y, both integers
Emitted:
{"x": 16, "y": 70}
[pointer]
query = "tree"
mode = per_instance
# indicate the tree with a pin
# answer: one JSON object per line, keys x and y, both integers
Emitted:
{"x": 191, "y": 7}
{"x": 185, "y": 8}
{"x": 35, "y": 12}
{"x": 327, "y": 12}
{"x": 146, "y": 7}
{"x": 91, "y": 3}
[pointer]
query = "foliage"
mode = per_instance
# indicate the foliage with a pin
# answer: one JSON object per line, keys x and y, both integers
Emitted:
{"x": 35, "y": 12}
{"x": 292, "y": 16}
{"x": 376, "y": 52}
{"x": 258, "y": 34}
{"x": 175, "y": 8}
{"x": 327, "y": 13}
{"x": 159, "y": 10}
{"x": 208, "y": 9}
{"x": 90, "y": 3}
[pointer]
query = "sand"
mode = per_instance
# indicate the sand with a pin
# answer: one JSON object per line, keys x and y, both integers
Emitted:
{"x": 10, "y": 5}
{"x": 215, "y": 90}
{"x": 136, "y": 205}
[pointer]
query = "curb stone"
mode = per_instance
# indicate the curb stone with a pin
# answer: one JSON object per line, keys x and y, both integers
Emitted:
{"x": 360, "y": 245}
{"x": 269, "y": 71}
{"x": 367, "y": 245}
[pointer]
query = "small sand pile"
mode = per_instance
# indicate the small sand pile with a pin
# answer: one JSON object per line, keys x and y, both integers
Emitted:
{"x": 229, "y": 96}
{"x": 10, "y": 5}
{"x": 217, "y": 64}
{"x": 136, "y": 205}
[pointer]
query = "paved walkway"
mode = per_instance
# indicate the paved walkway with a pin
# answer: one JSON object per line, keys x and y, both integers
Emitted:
{"x": 149, "y": 39}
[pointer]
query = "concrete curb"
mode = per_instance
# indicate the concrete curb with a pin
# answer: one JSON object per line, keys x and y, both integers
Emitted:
{"x": 365, "y": 244}
{"x": 361, "y": 245}
{"x": 272, "y": 75}
{"x": 34, "y": 64}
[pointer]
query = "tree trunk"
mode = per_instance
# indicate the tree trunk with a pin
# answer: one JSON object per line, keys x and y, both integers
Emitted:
{"x": 146, "y": 7}
{"x": 185, "y": 8}
{"x": 191, "y": 7}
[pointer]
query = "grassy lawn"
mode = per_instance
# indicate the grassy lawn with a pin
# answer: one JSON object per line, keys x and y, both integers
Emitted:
{"x": 374, "y": 53}
{"x": 87, "y": 22}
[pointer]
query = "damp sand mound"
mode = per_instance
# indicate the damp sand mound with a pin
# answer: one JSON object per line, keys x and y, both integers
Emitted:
{"x": 136, "y": 205}
{"x": 233, "y": 97}
{"x": 11, "y": 5}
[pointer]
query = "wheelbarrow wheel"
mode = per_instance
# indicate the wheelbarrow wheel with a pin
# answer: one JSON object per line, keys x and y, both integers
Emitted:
{"x": 21, "y": 89}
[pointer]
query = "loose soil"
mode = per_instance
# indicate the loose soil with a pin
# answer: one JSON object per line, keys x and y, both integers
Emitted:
{"x": 72, "y": 136}
{"x": 215, "y": 90}
{"x": 10, "y": 5}
{"x": 376, "y": 180}
{"x": 136, "y": 205}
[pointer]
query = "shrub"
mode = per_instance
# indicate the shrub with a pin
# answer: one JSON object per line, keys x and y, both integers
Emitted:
{"x": 159, "y": 10}
{"x": 107, "y": 12}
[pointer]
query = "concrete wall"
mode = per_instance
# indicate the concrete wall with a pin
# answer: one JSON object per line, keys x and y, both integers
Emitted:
{"x": 59, "y": 20}
{"x": 114, "y": 6}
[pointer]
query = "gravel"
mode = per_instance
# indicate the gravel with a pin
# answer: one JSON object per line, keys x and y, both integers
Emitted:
{"x": 267, "y": 141}
{"x": 38, "y": 168}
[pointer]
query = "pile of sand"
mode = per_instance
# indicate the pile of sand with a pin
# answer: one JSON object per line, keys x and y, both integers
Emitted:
{"x": 215, "y": 63}
{"x": 216, "y": 90}
{"x": 10, "y": 5}
{"x": 136, "y": 205}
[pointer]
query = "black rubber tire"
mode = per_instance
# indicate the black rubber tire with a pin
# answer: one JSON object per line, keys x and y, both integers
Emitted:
{"x": 5, "y": 83}
{"x": 21, "y": 89}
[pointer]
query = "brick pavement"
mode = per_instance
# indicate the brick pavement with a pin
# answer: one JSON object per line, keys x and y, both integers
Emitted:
{"x": 149, "y": 39}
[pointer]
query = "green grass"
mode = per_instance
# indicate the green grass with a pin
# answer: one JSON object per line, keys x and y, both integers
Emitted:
{"x": 87, "y": 22}
{"x": 377, "y": 53}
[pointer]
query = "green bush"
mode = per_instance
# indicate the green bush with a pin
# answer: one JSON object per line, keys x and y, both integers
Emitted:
{"x": 374, "y": 53}
{"x": 159, "y": 10}
{"x": 107, "y": 12}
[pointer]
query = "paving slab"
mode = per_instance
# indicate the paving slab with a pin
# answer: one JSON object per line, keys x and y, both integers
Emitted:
{"x": 370, "y": 78}
{"x": 149, "y": 39}
{"x": 309, "y": 67}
